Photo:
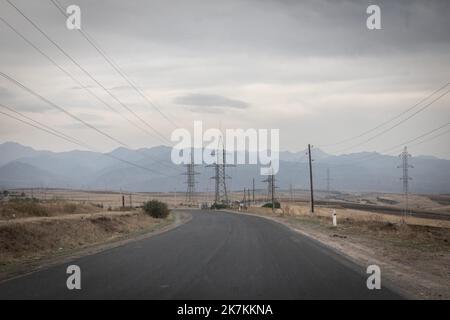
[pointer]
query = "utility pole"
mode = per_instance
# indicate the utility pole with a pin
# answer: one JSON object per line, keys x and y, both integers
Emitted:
{"x": 311, "y": 178}
{"x": 269, "y": 187}
{"x": 245, "y": 198}
{"x": 405, "y": 156}
{"x": 273, "y": 192}
{"x": 253, "y": 190}
{"x": 131, "y": 201}
{"x": 291, "y": 192}
{"x": 249, "y": 201}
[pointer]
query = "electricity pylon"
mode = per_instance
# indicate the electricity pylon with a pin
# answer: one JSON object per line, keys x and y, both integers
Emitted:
{"x": 405, "y": 156}
{"x": 271, "y": 189}
{"x": 220, "y": 176}
{"x": 190, "y": 180}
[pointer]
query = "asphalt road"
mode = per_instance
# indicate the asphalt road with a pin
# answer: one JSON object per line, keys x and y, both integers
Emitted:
{"x": 216, "y": 255}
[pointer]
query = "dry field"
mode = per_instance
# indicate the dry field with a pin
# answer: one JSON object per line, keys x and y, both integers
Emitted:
{"x": 106, "y": 199}
{"x": 32, "y": 230}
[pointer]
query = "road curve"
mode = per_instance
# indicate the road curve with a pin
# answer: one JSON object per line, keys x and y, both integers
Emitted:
{"x": 216, "y": 255}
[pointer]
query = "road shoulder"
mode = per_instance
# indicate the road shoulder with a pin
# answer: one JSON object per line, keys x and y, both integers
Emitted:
{"x": 405, "y": 278}
{"x": 28, "y": 266}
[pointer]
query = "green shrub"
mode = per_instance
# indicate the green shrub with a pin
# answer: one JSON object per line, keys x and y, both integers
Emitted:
{"x": 156, "y": 209}
{"x": 219, "y": 206}
{"x": 269, "y": 205}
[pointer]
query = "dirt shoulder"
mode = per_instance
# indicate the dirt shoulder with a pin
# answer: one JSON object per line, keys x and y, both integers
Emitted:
{"x": 31, "y": 243}
{"x": 414, "y": 258}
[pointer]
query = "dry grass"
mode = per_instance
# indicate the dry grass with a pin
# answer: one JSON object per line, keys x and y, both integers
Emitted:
{"x": 28, "y": 240}
{"x": 26, "y": 208}
{"x": 106, "y": 199}
{"x": 363, "y": 216}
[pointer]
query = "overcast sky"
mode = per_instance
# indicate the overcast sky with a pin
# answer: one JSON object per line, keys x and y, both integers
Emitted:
{"x": 309, "y": 68}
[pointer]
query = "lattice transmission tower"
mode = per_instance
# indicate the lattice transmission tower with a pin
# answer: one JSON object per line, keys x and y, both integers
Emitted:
{"x": 220, "y": 176}
{"x": 405, "y": 156}
{"x": 271, "y": 186}
{"x": 190, "y": 180}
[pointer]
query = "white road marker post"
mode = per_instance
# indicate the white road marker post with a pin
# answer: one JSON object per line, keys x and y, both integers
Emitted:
{"x": 334, "y": 218}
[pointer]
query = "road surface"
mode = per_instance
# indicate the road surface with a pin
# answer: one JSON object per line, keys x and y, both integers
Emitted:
{"x": 216, "y": 255}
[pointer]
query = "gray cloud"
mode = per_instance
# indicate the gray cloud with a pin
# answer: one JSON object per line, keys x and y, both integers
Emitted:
{"x": 305, "y": 66}
{"x": 34, "y": 108}
{"x": 210, "y": 102}
{"x": 287, "y": 27}
{"x": 5, "y": 94}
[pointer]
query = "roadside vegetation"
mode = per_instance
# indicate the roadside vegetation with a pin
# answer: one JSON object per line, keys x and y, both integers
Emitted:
{"x": 31, "y": 207}
{"x": 59, "y": 227}
{"x": 219, "y": 206}
{"x": 156, "y": 209}
{"x": 276, "y": 205}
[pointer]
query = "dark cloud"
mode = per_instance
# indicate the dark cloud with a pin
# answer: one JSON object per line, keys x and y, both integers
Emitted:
{"x": 288, "y": 27}
{"x": 302, "y": 64}
{"x": 210, "y": 102}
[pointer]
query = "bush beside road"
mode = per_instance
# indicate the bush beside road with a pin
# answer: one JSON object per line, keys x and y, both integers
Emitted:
{"x": 49, "y": 230}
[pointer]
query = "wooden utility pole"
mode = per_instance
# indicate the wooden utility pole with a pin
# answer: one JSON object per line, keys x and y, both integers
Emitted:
{"x": 253, "y": 190}
{"x": 273, "y": 192}
{"x": 311, "y": 178}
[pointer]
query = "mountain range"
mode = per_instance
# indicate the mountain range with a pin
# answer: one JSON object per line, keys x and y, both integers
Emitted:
{"x": 23, "y": 167}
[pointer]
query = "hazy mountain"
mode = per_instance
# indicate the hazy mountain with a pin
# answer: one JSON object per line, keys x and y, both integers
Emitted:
{"x": 21, "y": 175}
{"x": 11, "y": 151}
{"x": 302, "y": 156}
{"x": 359, "y": 172}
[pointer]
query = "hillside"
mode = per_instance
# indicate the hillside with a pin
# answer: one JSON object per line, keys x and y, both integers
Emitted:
{"x": 361, "y": 172}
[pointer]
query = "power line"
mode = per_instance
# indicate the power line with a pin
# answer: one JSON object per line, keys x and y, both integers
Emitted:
{"x": 114, "y": 65}
{"x": 40, "y": 128}
{"x": 417, "y": 138}
{"x": 73, "y": 140}
{"x": 65, "y": 111}
{"x": 19, "y": 84}
{"x": 397, "y": 124}
{"x": 408, "y": 142}
{"x": 88, "y": 74}
{"x": 388, "y": 121}
{"x": 431, "y": 138}
{"x": 70, "y": 76}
